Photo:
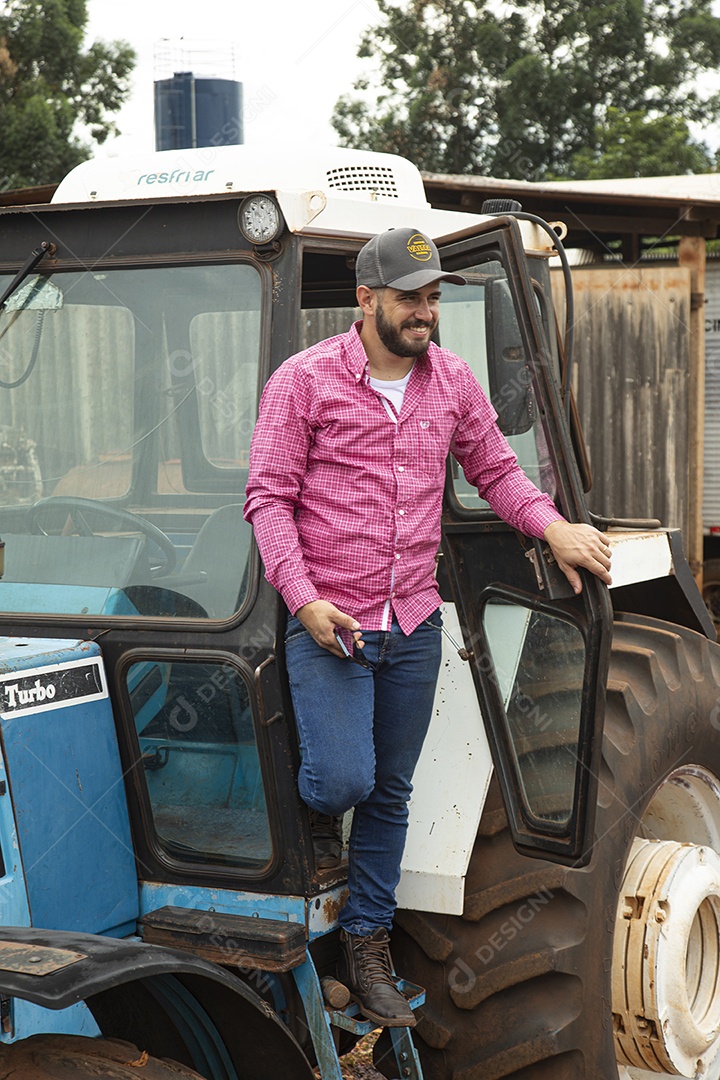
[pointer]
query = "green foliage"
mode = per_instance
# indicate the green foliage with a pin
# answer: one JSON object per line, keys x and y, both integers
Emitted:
{"x": 531, "y": 90}
{"x": 49, "y": 85}
{"x": 631, "y": 144}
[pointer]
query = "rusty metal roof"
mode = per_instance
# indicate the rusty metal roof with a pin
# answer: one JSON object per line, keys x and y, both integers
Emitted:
{"x": 597, "y": 212}
{"x": 29, "y": 196}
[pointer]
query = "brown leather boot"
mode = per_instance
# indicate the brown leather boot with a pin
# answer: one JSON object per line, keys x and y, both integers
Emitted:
{"x": 327, "y": 840}
{"x": 366, "y": 969}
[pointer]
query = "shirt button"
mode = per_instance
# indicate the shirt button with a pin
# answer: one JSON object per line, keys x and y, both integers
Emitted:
{"x": 401, "y": 468}
{"x": 358, "y": 376}
{"x": 401, "y": 513}
{"x": 397, "y": 556}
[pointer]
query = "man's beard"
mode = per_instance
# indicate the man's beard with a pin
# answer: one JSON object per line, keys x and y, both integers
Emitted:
{"x": 392, "y": 339}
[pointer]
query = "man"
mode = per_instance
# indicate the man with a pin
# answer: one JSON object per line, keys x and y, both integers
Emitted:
{"x": 347, "y": 466}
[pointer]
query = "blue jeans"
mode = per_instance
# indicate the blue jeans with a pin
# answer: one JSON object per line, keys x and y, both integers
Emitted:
{"x": 361, "y": 733}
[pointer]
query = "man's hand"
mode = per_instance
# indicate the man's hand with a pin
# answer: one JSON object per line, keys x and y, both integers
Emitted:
{"x": 320, "y": 618}
{"x": 579, "y": 545}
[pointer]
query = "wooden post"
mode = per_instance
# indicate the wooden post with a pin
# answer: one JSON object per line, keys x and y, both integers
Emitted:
{"x": 691, "y": 253}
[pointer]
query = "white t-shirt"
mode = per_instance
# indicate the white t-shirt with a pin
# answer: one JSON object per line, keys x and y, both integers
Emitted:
{"x": 392, "y": 390}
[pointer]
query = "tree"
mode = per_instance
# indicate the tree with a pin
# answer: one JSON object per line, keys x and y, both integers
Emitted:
{"x": 631, "y": 144}
{"x": 50, "y": 86}
{"x": 532, "y": 89}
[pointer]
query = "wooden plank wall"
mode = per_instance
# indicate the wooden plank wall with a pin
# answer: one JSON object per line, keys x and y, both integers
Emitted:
{"x": 632, "y": 381}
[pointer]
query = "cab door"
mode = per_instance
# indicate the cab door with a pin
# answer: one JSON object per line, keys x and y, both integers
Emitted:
{"x": 539, "y": 654}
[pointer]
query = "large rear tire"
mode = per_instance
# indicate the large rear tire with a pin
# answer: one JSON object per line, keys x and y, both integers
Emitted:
{"x": 519, "y": 986}
{"x": 75, "y": 1057}
{"x": 711, "y": 590}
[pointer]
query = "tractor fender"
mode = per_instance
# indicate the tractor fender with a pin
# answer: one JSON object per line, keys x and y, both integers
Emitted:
{"x": 138, "y": 990}
{"x": 673, "y": 598}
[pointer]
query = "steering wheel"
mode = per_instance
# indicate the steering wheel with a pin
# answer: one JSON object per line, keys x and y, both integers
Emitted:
{"x": 76, "y": 509}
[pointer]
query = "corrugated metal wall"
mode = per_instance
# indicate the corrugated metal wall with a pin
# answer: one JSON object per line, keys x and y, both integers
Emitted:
{"x": 75, "y": 408}
{"x": 711, "y": 485}
{"x": 76, "y": 403}
{"x": 631, "y": 381}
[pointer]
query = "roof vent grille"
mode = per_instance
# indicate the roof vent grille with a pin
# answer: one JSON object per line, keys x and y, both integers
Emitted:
{"x": 374, "y": 178}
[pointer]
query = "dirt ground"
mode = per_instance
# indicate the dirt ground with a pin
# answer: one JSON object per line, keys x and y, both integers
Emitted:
{"x": 357, "y": 1065}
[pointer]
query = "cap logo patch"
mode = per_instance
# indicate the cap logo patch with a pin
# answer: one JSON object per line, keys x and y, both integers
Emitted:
{"x": 418, "y": 248}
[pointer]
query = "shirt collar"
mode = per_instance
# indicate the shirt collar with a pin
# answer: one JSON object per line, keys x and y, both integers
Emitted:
{"x": 356, "y": 357}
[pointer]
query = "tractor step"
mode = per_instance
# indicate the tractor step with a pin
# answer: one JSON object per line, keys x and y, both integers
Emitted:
{"x": 323, "y": 1018}
{"x": 264, "y": 944}
{"x": 350, "y": 1019}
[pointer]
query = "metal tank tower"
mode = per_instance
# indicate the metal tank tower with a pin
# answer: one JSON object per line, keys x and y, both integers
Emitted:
{"x": 198, "y": 100}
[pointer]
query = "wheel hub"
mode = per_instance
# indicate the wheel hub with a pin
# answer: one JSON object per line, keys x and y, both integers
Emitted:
{"x": 666, "y": 978}
{"x": 666, "y": 955}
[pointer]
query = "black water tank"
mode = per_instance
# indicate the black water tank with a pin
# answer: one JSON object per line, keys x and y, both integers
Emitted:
{"x": 192, "y": 112}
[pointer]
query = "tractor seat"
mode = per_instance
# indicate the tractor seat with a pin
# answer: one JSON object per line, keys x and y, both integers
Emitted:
{"x": 214, "y": 573}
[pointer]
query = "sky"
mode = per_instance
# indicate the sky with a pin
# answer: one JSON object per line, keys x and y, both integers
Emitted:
{"x": 293, "y": 59}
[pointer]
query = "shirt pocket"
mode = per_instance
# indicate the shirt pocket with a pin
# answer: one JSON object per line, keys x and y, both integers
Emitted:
{"x": 428, "y": 445}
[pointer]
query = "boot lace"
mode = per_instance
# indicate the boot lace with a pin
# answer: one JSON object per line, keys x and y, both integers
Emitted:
{"x": 373, "y": 960}
{"x": 324, "y": 827}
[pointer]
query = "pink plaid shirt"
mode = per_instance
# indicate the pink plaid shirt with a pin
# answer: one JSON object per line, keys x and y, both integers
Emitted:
{"x": 346, "y": 504}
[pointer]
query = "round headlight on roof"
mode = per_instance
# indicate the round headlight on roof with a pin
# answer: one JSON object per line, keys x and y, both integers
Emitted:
{"x": 260, "y": 219}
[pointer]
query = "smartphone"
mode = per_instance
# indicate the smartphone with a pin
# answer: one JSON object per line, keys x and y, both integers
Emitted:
{"x": 354, "y": 656}
{"x": 342, "y": 645}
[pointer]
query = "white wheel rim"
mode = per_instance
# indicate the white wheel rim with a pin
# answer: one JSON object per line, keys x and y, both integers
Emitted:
{"x": 666, "y": 959}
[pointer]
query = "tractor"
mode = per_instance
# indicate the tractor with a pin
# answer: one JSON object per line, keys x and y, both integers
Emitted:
{"x": 161, "y": 912}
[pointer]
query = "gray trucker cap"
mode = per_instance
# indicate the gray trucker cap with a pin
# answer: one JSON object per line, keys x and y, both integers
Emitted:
{"x": 401, "y": 259}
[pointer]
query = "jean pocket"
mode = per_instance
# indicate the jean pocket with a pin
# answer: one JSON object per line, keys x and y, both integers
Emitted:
{"x": 294, "y": 629}
{"x": 434, "y": 620}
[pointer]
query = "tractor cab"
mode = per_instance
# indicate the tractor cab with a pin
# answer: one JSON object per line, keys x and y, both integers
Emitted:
{"x": 132, "y": 356}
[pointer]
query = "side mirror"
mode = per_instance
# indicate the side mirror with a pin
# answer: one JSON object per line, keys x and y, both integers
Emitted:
{"x": 509, "y": 375}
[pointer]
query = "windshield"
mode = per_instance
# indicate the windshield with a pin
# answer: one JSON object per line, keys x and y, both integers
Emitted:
{"x": 127, "y": 401}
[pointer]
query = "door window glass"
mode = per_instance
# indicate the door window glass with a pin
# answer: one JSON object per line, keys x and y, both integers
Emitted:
{"x": 538, "y": 665}
{"x": 479, "y": 323}
{"x": 200, "y": 761}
